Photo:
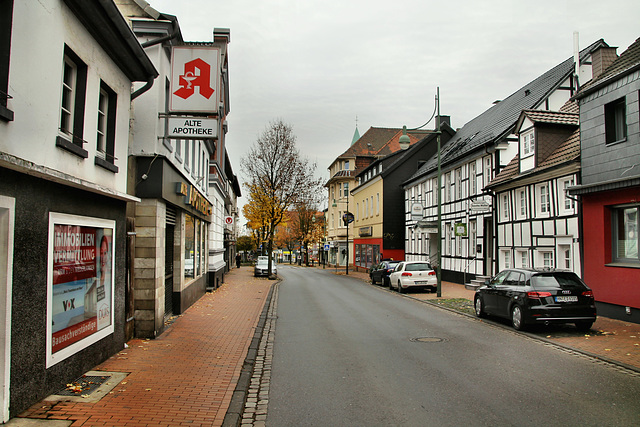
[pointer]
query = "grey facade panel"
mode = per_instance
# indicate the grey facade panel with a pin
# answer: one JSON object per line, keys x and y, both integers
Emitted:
{"x": 605, "y": 162}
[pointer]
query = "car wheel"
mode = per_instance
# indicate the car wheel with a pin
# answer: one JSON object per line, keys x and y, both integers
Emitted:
{"x": 584, "y": 326}
{"x": 400, "y": 288}
{"x": 516, "y": 318}
{"x": 386, "y": 282}
{"x": 479, "y": 308}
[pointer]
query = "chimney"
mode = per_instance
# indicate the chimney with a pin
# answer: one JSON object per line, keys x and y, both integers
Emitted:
{"x": 601, "y": 59}
{"x": 445, "y": 119}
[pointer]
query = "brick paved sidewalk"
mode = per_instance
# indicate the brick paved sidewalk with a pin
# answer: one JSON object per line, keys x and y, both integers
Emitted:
{"x": 187, "y": 375}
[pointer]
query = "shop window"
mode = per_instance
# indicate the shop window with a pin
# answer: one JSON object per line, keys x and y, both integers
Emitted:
{"x": 72, "y": 103}
{"x": 625, "y": 234}
{"x": 192, "y": 247}
{"x": 615, "y": 121}
{"x": 106, "y": 129}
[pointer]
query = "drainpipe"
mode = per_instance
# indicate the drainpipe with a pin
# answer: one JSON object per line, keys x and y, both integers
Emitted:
{"x": 173, "y": 35}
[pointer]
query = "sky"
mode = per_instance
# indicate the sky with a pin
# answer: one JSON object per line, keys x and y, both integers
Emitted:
{"x": 325, "y": 66}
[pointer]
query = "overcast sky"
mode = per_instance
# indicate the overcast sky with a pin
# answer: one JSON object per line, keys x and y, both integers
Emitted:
{"x": 318, "y": 65}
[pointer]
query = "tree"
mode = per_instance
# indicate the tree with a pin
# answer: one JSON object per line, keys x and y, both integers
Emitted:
{"x": 277, "y": 177}
{"x": 285, "y": 236}
{"x": 245, "y": 244}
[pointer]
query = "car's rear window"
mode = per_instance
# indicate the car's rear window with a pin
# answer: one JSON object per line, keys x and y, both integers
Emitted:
{"x": 393, "y": 264}
{"x": 557, "y": 280}
{"x": 418, "y": 267}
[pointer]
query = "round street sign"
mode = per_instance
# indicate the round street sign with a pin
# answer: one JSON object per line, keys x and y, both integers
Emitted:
{"x": 228, "y": 220}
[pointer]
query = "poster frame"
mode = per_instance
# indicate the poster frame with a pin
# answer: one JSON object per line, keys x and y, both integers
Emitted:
{"x": 82, "y": 221}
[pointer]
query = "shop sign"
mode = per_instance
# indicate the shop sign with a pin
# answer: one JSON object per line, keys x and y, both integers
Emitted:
{"x": 460, "y": 229}
{"x": 417, "y": 211}
{"x": 195, "y": 76}
{"x": 192, "y": 127}
{"x": 193, "y": 198}
{"x": 480, "y": 206}
{"x": 80, "y": 284}
{"x": 365, "y": 231}
{"x": 429, "y": 227}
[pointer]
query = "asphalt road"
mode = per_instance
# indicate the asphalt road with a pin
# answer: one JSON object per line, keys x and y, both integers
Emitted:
{"x": 350, "y": 354}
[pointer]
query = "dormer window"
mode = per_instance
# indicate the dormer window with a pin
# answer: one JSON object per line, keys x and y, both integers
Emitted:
{"x": 528, "y": 144}
{"x": 346, "y": 165}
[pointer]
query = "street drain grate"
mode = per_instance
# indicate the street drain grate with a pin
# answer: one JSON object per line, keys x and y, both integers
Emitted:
{"x": 427, "y": 339}
{"x": 86, "y": 385}
{"x": 90, "y": 388}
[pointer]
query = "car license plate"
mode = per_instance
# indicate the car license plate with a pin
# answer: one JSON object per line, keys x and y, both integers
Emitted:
{"x": 572, "y": 298}
{"x": 421, "y": 282}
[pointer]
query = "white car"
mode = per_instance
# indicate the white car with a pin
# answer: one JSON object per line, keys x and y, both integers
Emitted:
{"x": 262, "y": 267}
{"x": 413, "y": 274}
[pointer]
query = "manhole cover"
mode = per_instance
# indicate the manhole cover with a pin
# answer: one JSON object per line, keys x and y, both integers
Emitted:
{"x": 428, "y": 339}
{"x": 85, "y": 385}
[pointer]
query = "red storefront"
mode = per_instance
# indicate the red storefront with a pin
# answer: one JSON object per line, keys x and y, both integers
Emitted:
{"x": 368, "y": 252}
{"x": 616, "y": 283}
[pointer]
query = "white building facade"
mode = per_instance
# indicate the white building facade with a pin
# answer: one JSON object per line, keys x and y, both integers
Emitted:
{"x": 64, "y": 131}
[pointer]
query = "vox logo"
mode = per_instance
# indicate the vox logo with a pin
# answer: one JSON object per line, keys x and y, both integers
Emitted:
{"x": 69, "y": 304}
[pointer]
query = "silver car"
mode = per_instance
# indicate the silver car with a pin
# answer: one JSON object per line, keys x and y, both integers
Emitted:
{"x": 413, "y": 274}
{"x": 262, "y": 267}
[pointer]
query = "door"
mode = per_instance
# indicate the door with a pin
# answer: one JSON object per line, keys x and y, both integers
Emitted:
{"x": 7, "y": 215}
{"x": 488, "y": 246}
{"x": 168, "y": 261}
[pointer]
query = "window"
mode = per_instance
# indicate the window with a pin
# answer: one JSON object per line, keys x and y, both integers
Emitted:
{"x": 615, "y": 121}
{"x": 522, "y": 203}
{"x": 74, "y": 86}
{"x": 568, "y": 203}
{"x": 377, "y": 203}
{"x": 346, "y": 165}
{"x": 543, "y": 198}
{"x": 459, "y": 183}
{"x": 487, "y": 170}
{"x": 523, "y": 258}
{"x": 546, "y": 259}
{"x": 447, "y": 187}
{"x": 625, "y": 234}
{"x": 473, "y": 178}
{"x": 504, "y": 201}
{"x": 6, "y": 16}
{"x": 506, "y": 258}
{"x": 106, "y": 129}
{"x": 528, "y": 144}
{"x": 345, "y": 189}
{"x": 564, "y": 252}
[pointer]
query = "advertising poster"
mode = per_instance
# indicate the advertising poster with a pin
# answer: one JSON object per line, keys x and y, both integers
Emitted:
{"x": 81, "y": 283}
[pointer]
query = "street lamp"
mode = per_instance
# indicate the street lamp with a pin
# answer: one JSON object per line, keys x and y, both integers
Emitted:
{"x": 404, "y": 144}
{"x": 346, "y": 218}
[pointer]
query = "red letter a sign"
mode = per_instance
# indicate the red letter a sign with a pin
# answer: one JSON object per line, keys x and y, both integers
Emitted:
{"x": 197, "y": 73}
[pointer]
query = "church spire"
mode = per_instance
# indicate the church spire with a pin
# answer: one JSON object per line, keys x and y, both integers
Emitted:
{"x": 356, "y": 134}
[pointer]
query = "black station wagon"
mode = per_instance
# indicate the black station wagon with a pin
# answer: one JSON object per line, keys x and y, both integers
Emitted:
{"x": 530, "y": 296}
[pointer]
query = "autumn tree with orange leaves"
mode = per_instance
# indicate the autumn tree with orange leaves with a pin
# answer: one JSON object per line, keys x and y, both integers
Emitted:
{"x": 277, "y": 178}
